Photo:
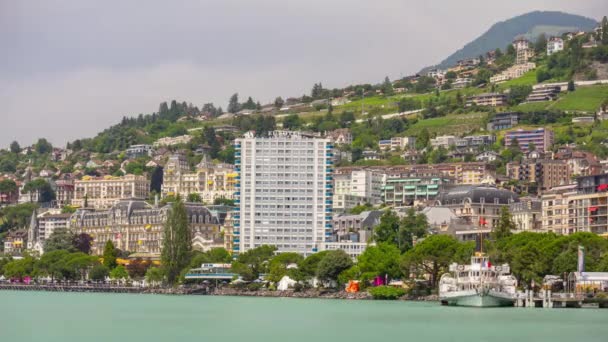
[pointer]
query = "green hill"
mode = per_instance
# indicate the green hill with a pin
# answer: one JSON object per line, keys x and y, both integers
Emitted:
{"x": 530, "y": 24}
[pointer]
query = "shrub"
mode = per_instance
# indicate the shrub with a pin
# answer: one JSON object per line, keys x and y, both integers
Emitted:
{"x": 386, "y": 292}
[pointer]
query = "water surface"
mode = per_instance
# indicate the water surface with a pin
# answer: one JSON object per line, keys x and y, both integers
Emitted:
{"x": 54, "y": 317}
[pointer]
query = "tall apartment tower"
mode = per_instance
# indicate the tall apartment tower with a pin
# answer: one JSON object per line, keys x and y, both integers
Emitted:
{"x": 283, "y": 192}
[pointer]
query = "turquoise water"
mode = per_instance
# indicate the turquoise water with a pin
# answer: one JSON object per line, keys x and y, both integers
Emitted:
{"x": 51, "y": 317}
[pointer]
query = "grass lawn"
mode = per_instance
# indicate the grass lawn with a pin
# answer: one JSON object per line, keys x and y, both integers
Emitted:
{"x": 532, "y": 106}
{"x": 583, "y": 99}
{"x": 528, "y": 78}
{"x": 452, "y": 124}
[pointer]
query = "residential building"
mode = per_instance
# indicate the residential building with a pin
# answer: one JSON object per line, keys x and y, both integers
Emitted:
{"x": 583, "y": 120}
{"x": 487, "y": 156}
{"x": 397, "y": 143}
{"x": 172, "y": 141}
{"x": 42, "y": 225}
{"x": 502, "y": 121}
{"x": 541, "y": 138}
{"x": 487, "y": 100}
{"x": 544, "y": 94}
{"x": 356, "y": 227}
{"x": 104, "y": 192}
{"x": 462, "y": 82}
{"x": 210, "y": 181}
{"x": 15, "y": 242}
{"x": 136, "y": 226}
{"x": 545, "y": 173}
{"x": 554, "y": 44}
{"x": 468, "y": 63}
{"x": 352, "y": 248}
{"x": 523, "y": 49}
{"x": 581, "y": 163}
{"x": 515, "y": 71}
{"x": 138, "y": 151}
{"x": 340, "y": 136}
{"x": 370, "y": 155}
{"x": 285, "y": 196}
{"x": 475, "y": 141}
{"x": 64, "y": 191}
{"x": 357, "y": 187}
{"x": 526, "y": 214}
{"x": 554, "y": 209}
{"x": 405, "y": 189}
{"x": 477, "y": 205}
{"x": 444, "y": 141}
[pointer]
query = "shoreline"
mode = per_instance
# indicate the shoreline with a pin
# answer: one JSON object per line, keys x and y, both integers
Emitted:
{"x": 203, "y": 291}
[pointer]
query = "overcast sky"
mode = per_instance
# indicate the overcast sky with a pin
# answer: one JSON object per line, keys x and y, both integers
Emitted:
{"x": 69, "y": 69}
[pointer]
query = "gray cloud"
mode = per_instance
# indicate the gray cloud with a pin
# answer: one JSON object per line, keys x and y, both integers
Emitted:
{"x": 71, "y": 68}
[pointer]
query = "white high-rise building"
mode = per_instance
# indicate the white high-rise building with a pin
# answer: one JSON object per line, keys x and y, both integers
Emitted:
{"x": 285, "y": 196}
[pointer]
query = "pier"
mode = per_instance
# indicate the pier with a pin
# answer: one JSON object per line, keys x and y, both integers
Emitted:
{"x": 548, "y": 300}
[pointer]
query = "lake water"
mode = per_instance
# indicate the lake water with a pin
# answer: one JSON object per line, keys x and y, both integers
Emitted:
{"x": 51, "y": 317}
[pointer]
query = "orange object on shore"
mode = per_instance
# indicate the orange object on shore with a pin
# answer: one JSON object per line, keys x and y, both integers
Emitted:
{"x": 353, "y": 286}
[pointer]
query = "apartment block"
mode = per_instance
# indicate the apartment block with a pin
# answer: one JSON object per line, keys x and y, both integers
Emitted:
{"x": 487, "y": 100}
{"x": 104, "y": 192}
{"x": 541, "y": 138}
{"x": 284, "y": 192}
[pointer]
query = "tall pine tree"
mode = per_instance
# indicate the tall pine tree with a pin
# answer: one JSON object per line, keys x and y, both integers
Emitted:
{"x": 176, "y": 242}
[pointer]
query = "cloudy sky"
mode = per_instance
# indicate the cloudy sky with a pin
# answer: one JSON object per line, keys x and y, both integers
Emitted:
{"x": 69, "y": 69}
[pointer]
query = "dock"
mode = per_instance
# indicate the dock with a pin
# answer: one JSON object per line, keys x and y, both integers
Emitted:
{"x": 548, "y": 300}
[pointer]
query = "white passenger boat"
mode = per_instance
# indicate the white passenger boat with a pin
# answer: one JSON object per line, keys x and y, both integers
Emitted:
{"x": 479, "y": 284}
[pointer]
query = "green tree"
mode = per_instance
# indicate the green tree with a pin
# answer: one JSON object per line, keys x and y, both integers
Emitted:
{"x": 388, "y": 229}
{"x": 571, "y": 86}
{"x": 176, "y": 242}
{"x": 99, "y": 273}
{"x": 412, "y": 226}
{"x": 42, "y": 146}
{"x": 154, "y": 275}
{"x": 110, "y": 254}
{"x": 278, "y": 266}
{"x": 309, "y": 266}
{"x": 604, "y": 26}
{"x": 21, "y": 268}
{"x": 252, "y": 263}
{"x": 79, "y": 264}
{"x": 332, "y": 264}
{"x": 42, "y": 188}
{"x": 387, "y": 87}
{"x": 278, "y": 102}
{"x": 380, "y": 260}
{"x": 292, "y": 122}
{"x": 119, "y": 272}
{"x": 431, "y": 256}
{"x": 423, "y": 139}
{"x": 541, "y": 44}
{"x": 233, "y": 104}
{"x": 60, "y": 239}
{"x": 15, "y": 148}
{"x": 8, "y": 186}
{"x": 195, "y": 198}
{"x": 52, "y": 264}
{"x": 505, "y": 225}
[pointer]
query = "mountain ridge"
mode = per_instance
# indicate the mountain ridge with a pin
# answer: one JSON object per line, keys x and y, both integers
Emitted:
{"x": 501, "y": 33}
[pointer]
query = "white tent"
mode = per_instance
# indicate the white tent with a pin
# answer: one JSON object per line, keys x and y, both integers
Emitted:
{"x": 285, "y": 283}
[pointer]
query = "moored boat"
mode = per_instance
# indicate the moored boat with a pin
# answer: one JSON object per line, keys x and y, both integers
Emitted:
{"x": 479, "y": 284}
